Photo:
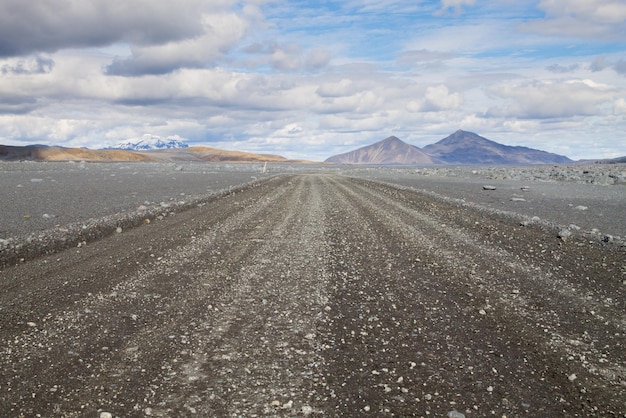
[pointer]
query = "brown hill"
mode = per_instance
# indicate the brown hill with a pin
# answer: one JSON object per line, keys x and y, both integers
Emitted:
{"x": 46, "y": 153}
{"x": 206, "y": 154}
{"x": 469, "y": 148}
{"x": 388, "y": 151}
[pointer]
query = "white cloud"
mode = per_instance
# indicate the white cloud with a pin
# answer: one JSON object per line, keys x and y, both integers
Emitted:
{"x": 222, "y": 31}
{"x": 455, "y": 5}
{"x": 331, "y": 81}
{"x": 544, "y": 99}
{"x": 602, "y": 19}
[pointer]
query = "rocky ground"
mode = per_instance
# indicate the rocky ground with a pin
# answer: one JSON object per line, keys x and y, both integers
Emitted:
{"x": 318, "y": 295}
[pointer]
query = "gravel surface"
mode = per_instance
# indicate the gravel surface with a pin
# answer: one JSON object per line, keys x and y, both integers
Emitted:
{"x": 37, "y": 196}
{"x": 560, "y": 195}
{"x": 318, "y": 295}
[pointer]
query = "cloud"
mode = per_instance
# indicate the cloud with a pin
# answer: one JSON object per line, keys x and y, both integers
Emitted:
{"x": 595, "y": 19}
{"x": 562, "y": 69}
{"x": 601, "y": 63}
{"x": 31, "y": 65}
{"x": 12, "y": 104}
{"x": 221, "y": 32}
{"x": 289, "y": 57}
{"x": 35, "y": 26}
{"x": 546, "y": 99}
{"x": 455, "y": 5}
{"x": 620, "y": 67}
{"x": 436, "y": 98}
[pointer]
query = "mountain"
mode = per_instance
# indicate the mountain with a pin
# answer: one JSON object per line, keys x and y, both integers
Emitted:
{"x": 198, "y": 154}
{"x": 150, "y": 142}
{"x": 47, "y": 153}
{"x": 469, "y": 148}
{"x": 388, "y": 151}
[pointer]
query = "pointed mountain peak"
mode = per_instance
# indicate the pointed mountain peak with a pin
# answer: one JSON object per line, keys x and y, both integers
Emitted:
{"x": 464, "y": 147}
{"x": 391, "y": 150}
{"x": 392, "y": 139}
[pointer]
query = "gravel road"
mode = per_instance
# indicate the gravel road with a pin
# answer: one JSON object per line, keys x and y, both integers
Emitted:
{"x": 318, "y": 295}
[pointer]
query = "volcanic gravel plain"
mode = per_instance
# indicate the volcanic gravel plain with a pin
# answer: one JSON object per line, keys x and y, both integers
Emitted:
{"x": 310, "y": 291}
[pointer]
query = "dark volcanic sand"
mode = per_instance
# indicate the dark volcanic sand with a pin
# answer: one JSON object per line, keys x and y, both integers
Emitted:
{"x": 318, "y": 295}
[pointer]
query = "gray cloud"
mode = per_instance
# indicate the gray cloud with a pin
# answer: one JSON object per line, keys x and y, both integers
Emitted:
{"x": 599, "y": 64}
{"x": 562, "y": 69}
{"x": 602, "y": 63}
{"x": 49, "y": 25}
{"x": 33, "y": 65}
{"x": 620, "y": 67}
{"x": 222, "y": 31}
{"x": 17, "y": 105}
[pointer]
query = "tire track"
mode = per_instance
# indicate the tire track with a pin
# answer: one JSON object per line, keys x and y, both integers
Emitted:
{"x": 486, "y": 281}
{"x": 316, "y": 295}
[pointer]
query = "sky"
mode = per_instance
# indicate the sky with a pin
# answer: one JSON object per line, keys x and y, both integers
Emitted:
{"x": 309, "y": 79}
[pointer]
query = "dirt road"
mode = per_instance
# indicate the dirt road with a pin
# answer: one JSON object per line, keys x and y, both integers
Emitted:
{"x": 318, "y": 295}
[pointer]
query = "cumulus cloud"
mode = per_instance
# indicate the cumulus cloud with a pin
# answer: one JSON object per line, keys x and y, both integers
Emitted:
{"x": 50, "y": 25}
{"x": 221, "y": 32}
{"x": 288, "y": 57}
{"x": 541, "y": 100}
{"x": 436, "y": 98}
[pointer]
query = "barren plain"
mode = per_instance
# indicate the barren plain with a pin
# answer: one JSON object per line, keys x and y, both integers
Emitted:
{"x": 311, "y": 292}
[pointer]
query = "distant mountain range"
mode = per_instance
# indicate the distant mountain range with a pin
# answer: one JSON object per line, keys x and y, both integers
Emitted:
{"x": 200, "y": 154}
{"x": 150, "y": 142}
{"x": 459, "y": 148}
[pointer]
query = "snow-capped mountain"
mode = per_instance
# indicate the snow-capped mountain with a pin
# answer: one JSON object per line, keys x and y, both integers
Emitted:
{"x": 149, "y": 142}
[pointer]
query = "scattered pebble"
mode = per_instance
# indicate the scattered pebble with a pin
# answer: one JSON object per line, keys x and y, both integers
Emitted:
{"x": 565, "y": 234}
{"x": 488, "y": 187}
{"x": 455, "y": 414}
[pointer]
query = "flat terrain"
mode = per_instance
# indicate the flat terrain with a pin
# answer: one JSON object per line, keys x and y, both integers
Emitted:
{"x": 318, "y": 295}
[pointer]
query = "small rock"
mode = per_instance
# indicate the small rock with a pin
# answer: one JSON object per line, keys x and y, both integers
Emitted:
{"x": 106, "y": 415}
{"x": 564, "y": 234}
{"x": 572, "y": 377}
{"x": 518, "y": 199}
{"x": 119, "y": 230}
{"x": 306, "y": 410}
{"x": 488, "y": 187}
{"x": 455, "y": 414}
{"x": 607, "y": 238}
{"x": 525, "y": 188}
{"x": 581, "y": 208}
